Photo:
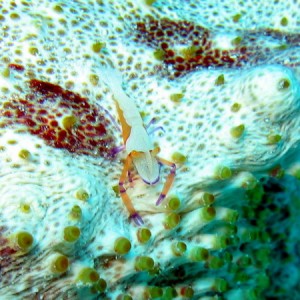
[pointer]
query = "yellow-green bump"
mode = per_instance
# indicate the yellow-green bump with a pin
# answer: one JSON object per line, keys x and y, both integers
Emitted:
{"x": 215, "y": 262}
{"x": 155, "y": 271}
{"x": 231, "y": 216}
{"x": 87, "y": 276}
{"x": 59, "y": 264}
{"x": 230, "y": 229}
{"x": 176, "y": 97}
{"x": 263, "y": 281}
{"x": 207, "y": 199}
{"x": 173, "y": 203}
{"x": 255, "y": 195}
{"x": 190, "y": 51}
{"x": 149, "y": 2}
{"x": 6, "y": 72}
{"x": 116, "y": 190}
{"x": 33, "y": 51}
{"x": 98, "y": 46}
{"x": 25, "y": 208}
{"x": 24, "y": 240}
{"x": 220, "y": 285}
{"x": 68, "y": 122}
{"x": 296, "y": 172}
{"x": 198, "y": 254}
{"x": 277, "y": 172}
{"x": 237, "y": 41}
{"x": 71, "y": 233}
{"x": 58, "y": 8}
{"x": 187, "y": 292}
{"x": 249, "y": 235}
{"x": 144, "y": 263}
{"x": 171, "y": 220}
{"x": 75, "y": 213}
{"x": 14, "y": 16}
{"x": 94, "y": 79}
{"x": 122, "y": 245}
{"x": 220, "y": 80}
{"x": 237, "y": 131}
{"x": 273, "y": 139}
{"x": 249, "y": 182}
{"x": 282, "y": 47}
{"x": 283, "y": 84}
{"x": 223, "y": 173}
{"x": 169, "y": 293}
{"x": 226, "y": 256}
{"x": 124, "y": 297}
{"x": 284, "y": 21}
{"x": 24, "y": 154}
{"x": 236, "y": 18}
{"x": 262, "y": 256}
{"x": 99, "y": 286}
{"x": 234, "y": 240}
{"x": 207, "y": 213}
{"x": 143, "y": 235}
{"x": 235, "y": 107}
{"x": 178, "y": 158}
{"x": 154, "y": 292}
{"x": 221, "y": 242}
{"x": 159, "y": 54}
{"x": 232, "y": 268}
{"x": 82, "y": 195}
{"x": 241, "y": 276}
{"x": 264, "y": 237}
{"x": 252, "y": 294}
{"x": 178, "y": 248}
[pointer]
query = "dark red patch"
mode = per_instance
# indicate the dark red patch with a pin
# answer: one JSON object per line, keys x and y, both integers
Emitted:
{"x": 42, "y": 112}
{"x": 171, "y": 36}
{"x": 7, "y": 251}
{"x": 16, "y": 67}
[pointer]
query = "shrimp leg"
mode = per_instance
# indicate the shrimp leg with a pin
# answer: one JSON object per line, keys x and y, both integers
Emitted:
{"x": 152, "y": 122}
{"x": 125, "y": 198}
{"x": 169, "y": 180}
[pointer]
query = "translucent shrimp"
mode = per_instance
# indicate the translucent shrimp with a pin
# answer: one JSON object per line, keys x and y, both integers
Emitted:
{"x": 140, "y": 150}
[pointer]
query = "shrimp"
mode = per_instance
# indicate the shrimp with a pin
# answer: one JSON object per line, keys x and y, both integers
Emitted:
{"x": 140, "y": 150}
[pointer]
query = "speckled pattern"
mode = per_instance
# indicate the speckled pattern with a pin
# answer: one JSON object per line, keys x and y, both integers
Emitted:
{"x": 228, "y": 228}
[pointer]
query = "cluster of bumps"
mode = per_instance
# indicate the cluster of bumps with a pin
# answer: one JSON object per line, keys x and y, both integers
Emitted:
{"x": 226, "y": 92}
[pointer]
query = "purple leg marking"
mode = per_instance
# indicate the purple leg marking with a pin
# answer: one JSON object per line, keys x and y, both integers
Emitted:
{"x": 137, "y": 219}
{"x": 153, "y": 121}
{"x": 160, "y": 199}
{"x": 121, "y": 188}
{"x": 130, "y": 177}
{"x": 150, "y": 132}
{"x": 114, "y": 151}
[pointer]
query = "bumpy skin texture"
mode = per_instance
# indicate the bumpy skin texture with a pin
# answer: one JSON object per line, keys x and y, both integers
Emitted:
{"x": 228, "y": 228}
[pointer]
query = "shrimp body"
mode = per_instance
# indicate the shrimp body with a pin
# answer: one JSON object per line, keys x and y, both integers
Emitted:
{"x": 139, "y": 147}
{"x": 129, "y": 110}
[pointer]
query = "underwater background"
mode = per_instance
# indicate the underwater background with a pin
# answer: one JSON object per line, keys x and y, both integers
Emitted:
{"x": 88, "y": 92}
